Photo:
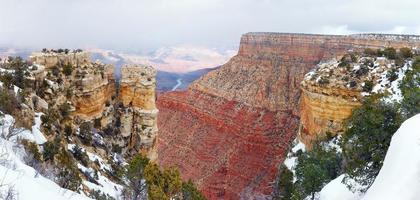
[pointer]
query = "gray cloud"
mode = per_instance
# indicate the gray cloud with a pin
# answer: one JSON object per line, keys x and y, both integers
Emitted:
{"x": 148, "y": 24}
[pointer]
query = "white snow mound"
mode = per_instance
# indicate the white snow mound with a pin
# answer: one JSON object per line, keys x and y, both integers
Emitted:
{"x": 337, "y": 190}
{"x": 399, "y": 176}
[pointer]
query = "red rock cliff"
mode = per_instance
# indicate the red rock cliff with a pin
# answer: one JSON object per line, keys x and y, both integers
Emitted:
{"x": 230, "y": 130}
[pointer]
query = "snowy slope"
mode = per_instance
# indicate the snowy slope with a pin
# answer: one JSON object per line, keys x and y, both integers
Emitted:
{"x": 25, "y": 181}
{"x": 399, "y": 177}
{"x": 336, "y": 189}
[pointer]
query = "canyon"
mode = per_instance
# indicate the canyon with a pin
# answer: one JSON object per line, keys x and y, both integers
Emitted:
{"x": 232, "y": 128}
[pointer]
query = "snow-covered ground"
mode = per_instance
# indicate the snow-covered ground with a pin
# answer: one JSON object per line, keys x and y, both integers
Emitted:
{"x": 399, "y": 177}
{"x": 26, "y": 182}
{"x": 384, "y": 84}
{"x": 103, "y": 183}
{"x": 36, "y": 129}
{"x": 337, "y": 190}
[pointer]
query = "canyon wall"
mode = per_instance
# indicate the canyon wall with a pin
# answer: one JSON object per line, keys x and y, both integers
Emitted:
{"x": 231, "y": 129}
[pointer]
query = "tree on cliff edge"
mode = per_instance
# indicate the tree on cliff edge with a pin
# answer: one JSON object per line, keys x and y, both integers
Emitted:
{"x": 367, "y": 139}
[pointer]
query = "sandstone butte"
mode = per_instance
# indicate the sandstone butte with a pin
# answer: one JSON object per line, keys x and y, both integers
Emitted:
{"x": 94, "y": 96}
{"x": 232, "y": 128}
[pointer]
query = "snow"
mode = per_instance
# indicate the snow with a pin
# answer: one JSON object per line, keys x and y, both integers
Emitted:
{"x": 393, "y": 88}
{"x": 104, "y": 184}
{"x": 356, "y": 67}
{"x": 399, "y": 176}
{"x": 16, "y": 89}
{"x": 28, "y": 186}
{"x": 94, "y": 157}
{"x": 7, "y": 124}
{"x": 52, "y": 84}
{"x": 24, "y": 179}
{"x": 334, "y": 144}
{"x": 36, "y": 130}
{"x": 298, "y": 146}
{"x": 336, "y": 189}
{"x": 291, "y": 160}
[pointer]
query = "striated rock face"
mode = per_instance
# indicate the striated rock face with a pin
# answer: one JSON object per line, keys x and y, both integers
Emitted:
{"x": 139, "y": 117}
{"x": 228, "y": 148}
{"x": 232, "y": 127}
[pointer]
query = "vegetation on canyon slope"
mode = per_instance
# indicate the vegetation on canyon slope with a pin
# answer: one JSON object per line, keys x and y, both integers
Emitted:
{"x": 360, "y": 152}
{"x": 160, "y": 185}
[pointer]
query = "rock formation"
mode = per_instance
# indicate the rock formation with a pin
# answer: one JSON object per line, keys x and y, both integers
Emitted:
{"x": 90, "y": 90}
{"x": 94, "y": 88}
{"x": 331, "y": 91}
{"x": 52, "y": 59}
{"x": 328, "y": 99}
{"x": 230, "y": 130}
{"x": 138, "y": 119}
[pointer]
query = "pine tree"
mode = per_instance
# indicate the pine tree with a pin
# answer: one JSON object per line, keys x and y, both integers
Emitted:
{"x": 367, "y": 139}
{"x": 190, "y": 192}
{"x": 410, "y": 89}
{"x": 315, "y": 169}
{"x": 284, "y": 184}
{"x": 135, "y": 174}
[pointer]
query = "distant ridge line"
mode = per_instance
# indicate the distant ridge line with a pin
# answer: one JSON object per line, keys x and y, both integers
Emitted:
{"x": 357, "y": 35}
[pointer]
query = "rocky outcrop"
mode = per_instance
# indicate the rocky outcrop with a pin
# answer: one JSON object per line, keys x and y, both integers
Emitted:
{"x": 232, "y": 127}
{"x": 94, "y": 86}
{"x": 332, "y": 90}
{"x": 88, "y": 86}
{"x": 328, "y": 100}
{"x": 139, "y": 117}
{"x": 50, "y": 60}
{"x": 90, "y": 89}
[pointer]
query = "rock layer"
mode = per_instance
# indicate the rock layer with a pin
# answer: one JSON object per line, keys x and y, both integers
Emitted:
{"x": 228, "y": 148}
{"x": 231, "y": 129}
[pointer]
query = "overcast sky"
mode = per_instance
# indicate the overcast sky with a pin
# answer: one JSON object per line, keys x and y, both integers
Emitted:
{"x": 149, "y": 24}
